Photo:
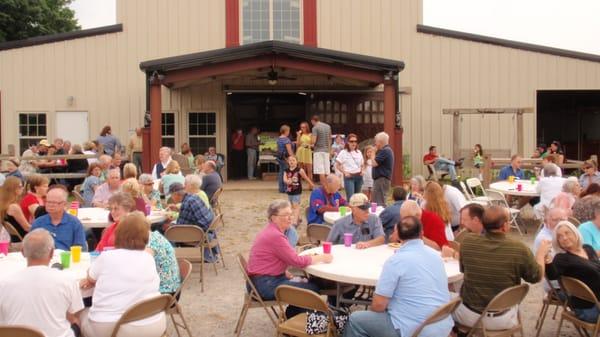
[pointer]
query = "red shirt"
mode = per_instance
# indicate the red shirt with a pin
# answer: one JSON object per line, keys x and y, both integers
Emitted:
{"x": 28, "y": 200}
{"x": 237, "y": 141}
{"x": 434, "y": 228}
{"x": 429, "y": 157}
{"x": 108, "y": 238}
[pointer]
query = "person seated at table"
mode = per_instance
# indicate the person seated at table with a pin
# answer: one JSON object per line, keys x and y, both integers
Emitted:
{"x": 413, "y": 284}
{"x": 129, "y": 171}
{"x": 171, "y": 174}
{"x": 192, "y": 185}
{"x": 38, "y": 296}
{"x": 12, "y": 167}
{"x": 164, "y": 259}
{"x": 120, "y": 204}
{"x": 91, "y": 184}
{"x": 133, "y": 189}
{"x": 456, "y": 201}
{"x": 122, "y": 277}
{"x": 578, "y": 260}
{"x": 549, "y": 159}
{"x": 64, "y": 227}
{"x": 436, "y": 203}
{"x": 590, "y": 230}
{"x": 434, "y": 228}
{"x": 271, "y": 255}
{"x": 199, "y": 161}
{"x": 491, "y": 263}
{"x": 552, "y": 217}
{"x": 75, "y": 166}
{"x": 391, "y": 214}
{"x": 164, "y": 158}
{"x": 512, "y": 169}
{"x": 364, "y": 226}
{"x": 441, "y": 163}
{"x": 590, "y": 174}
{"x": 569, "y": 194}
{"x": 471, "y": 216}
{"x": 10, "y": 211}
{"x": 217, "y": 158}
{"x": 150, "y": 195}
{"x": 548, "y": 187}
{"x": 556, "y": 150}
{"x": 192, "y": 211}
{"x": 38, "y": 187}
{"x": 211, "y": 180}
{"x": 417, "y": 188}
{"x": 325, "y": 199}
{"x": 107, "y": 189}
{"x": 105, "y": 162}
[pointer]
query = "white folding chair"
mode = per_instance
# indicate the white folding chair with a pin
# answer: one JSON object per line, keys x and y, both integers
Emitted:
{"x": 498, "y": 198}
{"x": 434, "y": 174}
{"x": 475, "y": 183}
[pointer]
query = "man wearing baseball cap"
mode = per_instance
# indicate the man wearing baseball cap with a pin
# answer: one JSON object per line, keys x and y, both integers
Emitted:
{"x": 365, "y": 226}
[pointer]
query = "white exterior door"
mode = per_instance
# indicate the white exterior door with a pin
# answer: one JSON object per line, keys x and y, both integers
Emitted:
{"x": 72, "y": 126}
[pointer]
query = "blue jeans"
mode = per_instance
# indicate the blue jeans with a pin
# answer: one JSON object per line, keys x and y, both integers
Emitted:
{"x": 588, "y": 315}
{"x": 352, "y": 185}
{"x": 443, "y": 164}
{"x": 370, "y": 324}
{"x": 251, "y": 163}
{"x": 282, "y": 167}
{"x": 266, "y": 285}
{"x": 292, "y": 236}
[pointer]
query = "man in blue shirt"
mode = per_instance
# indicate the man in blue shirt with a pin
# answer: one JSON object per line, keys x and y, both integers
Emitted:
{"x": 193, "y": 211}
{"x": 365, "y": 226}
{"x": 513, "y": 169}
{"x": 413, "y": 284}
{"x": 66, "y": 229}
{"x": 383, "y": 166}
{"x": 325, "y": 199}
{"x": 391, "y": 214}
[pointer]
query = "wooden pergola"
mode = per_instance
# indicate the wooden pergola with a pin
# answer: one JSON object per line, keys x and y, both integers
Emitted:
{"x": 174, "y": 71}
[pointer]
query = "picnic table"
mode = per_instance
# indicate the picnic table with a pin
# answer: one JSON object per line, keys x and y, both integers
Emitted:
{"x": 527, "y": 188}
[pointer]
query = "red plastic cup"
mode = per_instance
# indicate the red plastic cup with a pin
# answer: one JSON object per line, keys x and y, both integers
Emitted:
{"x": 326, "y": 247}
{"x": 519, "y": 187}
{"x": 4, "y": 247}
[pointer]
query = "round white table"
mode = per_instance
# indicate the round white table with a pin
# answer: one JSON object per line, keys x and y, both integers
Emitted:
{"x": 95, "y": 217}
{"x": 15, "y": 262}
{"x": 363, "y": 266}
{"x": 528, "y": 190}
{"x": 331, "y": 217}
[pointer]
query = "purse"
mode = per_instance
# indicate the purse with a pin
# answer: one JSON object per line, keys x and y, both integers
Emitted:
{"x": 317, "y": 322}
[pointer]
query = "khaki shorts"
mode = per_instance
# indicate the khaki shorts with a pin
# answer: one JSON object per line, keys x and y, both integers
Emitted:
{"x": 321, "y": 163}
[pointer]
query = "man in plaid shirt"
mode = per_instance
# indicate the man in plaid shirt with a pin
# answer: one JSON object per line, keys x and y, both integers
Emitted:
{"x": 193, "y": 211}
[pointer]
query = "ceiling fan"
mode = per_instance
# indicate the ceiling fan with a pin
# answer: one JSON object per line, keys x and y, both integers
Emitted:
{"x": 272, "y": 77}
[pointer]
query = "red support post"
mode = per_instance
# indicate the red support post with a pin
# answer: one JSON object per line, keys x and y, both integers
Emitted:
{"x": 310, "y": 22}
{"x": 155, "y": 125}
{"x": 389, "y": 126}
{"x": 232, "y": 23}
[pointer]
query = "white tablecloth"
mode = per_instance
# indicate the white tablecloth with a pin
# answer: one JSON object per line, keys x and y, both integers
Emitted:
{"x": 94, "y": 217}
{"x": 363, "y": 266}
{"x": 15, "y": 262}
{"x": 505, "y": 187}
{"x": 331, "y": 217}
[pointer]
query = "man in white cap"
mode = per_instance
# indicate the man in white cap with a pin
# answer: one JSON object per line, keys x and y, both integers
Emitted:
{"x": 364, "y": 226}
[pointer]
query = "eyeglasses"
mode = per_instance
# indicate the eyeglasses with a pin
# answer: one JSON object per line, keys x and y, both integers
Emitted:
{"x": 284, "y": 215}
{"x": 353, "y": 141}
{"x": 50, "y": 202}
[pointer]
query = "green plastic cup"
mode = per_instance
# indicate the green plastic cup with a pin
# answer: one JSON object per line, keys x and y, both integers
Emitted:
{"x": 65, "y": 259}
{"x": 343, "y": 210}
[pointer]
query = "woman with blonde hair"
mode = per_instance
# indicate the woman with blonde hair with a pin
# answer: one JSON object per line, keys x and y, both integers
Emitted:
{"x": 172, "y": 174}
{"x": 132, "y": 187}
{"x": 367, "y": 186}
{"x": 577, "y": 260}
{"x": 129, "y": 171}
{"x": 10, "y": 211}
{"x": 436, "y": 202}
{"x": 199, "y": 161}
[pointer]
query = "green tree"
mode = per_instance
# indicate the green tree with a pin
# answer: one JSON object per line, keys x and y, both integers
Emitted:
{"x": 22, "y": 19}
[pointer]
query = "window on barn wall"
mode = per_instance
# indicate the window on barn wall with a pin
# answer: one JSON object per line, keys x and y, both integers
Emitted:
{"x": 168, "y": 129}
{"x": 32, "y": 129}
{"x": 202, "y": 131}
{"x": 264, "y": 20}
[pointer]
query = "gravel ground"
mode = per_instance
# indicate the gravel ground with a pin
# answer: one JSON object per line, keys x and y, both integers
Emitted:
{"x": 215, "y": 311}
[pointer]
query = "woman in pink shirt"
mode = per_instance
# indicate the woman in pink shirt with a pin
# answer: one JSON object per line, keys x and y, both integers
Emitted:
{"x": 271, "y": 255}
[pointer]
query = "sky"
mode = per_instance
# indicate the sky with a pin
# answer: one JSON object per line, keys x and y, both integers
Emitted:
{"x": 571, "y": 24}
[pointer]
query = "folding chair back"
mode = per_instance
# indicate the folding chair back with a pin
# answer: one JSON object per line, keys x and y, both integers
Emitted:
{"x": 185, "y": 270}
{"x": 142, "y": 310}
{"x": 465, "y": 190}
{"x": 12, "y": 230}
{"x": 474, "y": 183}
{"x": 301, "y": 298}
{"x": 575, "y": 288}
{"x": 508, "y": 298}
{"x": 438, "y": 315}
{"x": 19, "y": 331}
{"x": 254, "y": 294}
{"x": 77, "y": 195}
{"x": 187, "y": 234}
{"x": 497, "y": 198}
{"x": 217, "y": 224}
{"x": 77, "y": 188}
{"x": 215, "y": 198}
{"x": 317, "y": 233}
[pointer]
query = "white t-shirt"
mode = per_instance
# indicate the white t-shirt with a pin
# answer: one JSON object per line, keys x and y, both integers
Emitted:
{"x": 351, "y": 161}
{"x": 123, "y": 278}
{"x": 40, "y": 297}
{"x": 456, "y": 200}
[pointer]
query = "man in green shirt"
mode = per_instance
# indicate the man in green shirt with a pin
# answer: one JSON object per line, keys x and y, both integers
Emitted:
{"x": 491, "y": 263}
